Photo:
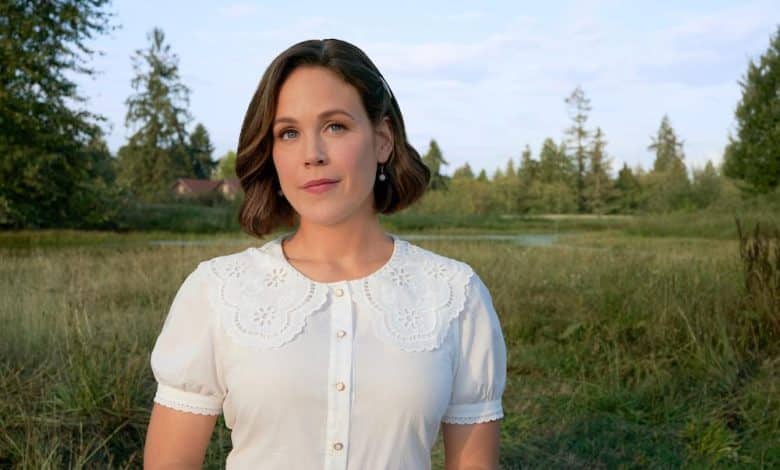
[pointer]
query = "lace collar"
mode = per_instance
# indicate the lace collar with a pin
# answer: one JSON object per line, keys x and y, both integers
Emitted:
{"x": 263, "y": 301}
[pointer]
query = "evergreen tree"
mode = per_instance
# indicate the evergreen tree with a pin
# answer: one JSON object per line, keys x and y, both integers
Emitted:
{"x": 668, "y": 150}
{"x": 157, "y": 152}
{"x": 753, "y": 156}
{"x": 667, "y": 184}
{"x": 434, "y": 160}
{"x": 51, "y": 166}
{"x": 579, "y": 107}
{"x": 628, "y": 189}
{"x": 598, "y": 185}
{"x": 706, "y": 186}
{"x": 554, "y": 164}
{"x": 510, "y": 172}
{"x": 482, "y": 176}
{"x": 464, "y": 172}
{"x": 529, "y": 168}
{"x": 226, "y": 166}
{"x": 200, "y": 150}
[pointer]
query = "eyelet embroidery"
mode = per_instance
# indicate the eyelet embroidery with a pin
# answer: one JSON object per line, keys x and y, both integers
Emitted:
{"x": 261, "y": 304}
{"x": 416, "y": 300}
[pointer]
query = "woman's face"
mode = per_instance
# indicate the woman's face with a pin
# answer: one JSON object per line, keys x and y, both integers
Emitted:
{"x": 322, "y": 131}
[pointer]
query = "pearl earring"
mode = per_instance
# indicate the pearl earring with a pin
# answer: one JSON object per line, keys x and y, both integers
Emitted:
{"x": 382, "y": 176}
{"x": 280, "y": 192}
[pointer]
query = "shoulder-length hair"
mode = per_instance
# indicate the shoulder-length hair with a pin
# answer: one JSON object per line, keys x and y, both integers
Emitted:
{"x": 263, "y": 209}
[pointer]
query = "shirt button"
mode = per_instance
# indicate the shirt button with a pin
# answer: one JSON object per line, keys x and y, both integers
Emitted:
{"x": 341, "y": 333}
{"x": 338, "y": 446}
{"x": 339, "y": 292}
{"x": 340, "y": 386}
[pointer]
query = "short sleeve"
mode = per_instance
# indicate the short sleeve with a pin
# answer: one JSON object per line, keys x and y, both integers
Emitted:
{"x": 480, "y": 374}
{"x": 184, "y": 360}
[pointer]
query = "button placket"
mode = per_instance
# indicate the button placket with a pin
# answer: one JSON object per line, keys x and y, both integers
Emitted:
{"x": 339, "y": 378}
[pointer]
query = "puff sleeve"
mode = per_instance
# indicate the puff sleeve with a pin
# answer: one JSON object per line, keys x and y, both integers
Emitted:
{"x": 184, "y": 360}
{"x": 480, "y": 369}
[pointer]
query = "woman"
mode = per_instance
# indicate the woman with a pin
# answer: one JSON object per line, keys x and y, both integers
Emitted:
{"x": 338, "y": 346}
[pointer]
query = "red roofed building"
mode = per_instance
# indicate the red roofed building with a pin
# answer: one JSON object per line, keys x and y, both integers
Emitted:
{"x": 190, "y": 187}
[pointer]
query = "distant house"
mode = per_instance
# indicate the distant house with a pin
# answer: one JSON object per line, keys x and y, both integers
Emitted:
{"x": 190, "y": 187}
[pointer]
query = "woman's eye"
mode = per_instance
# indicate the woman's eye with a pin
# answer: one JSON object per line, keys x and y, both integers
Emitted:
{"x": 336, "y": 127}
{"x": 287, "y": 132}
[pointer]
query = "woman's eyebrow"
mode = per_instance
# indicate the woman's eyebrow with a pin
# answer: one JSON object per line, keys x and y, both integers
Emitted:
{"x": 322, "y": 115}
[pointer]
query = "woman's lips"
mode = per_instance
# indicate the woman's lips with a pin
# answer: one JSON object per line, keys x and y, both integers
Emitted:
{"x": 320, "y": 188}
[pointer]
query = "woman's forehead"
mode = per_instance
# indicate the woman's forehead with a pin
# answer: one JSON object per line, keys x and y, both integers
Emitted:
{"x": 313, "y": 92}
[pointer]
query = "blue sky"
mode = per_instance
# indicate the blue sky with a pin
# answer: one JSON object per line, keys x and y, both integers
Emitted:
{"x": 482, "y": 78}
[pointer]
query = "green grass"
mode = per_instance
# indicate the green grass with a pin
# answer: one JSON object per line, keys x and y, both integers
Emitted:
{"x": 626, "y": 349}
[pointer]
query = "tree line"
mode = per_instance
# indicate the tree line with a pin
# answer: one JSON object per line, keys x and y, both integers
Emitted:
{"x": 574, "y": 175}
{"x": 57, "y": 171}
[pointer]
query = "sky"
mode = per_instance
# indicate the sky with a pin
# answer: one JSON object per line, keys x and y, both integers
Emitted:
{"x": 484, "y": 79}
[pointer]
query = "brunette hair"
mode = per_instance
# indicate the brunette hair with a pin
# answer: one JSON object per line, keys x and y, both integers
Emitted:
{"x": 262, "y": 209}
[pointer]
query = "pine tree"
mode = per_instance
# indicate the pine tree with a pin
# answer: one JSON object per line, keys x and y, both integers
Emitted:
{"x": 598, "y": 185}
{"x": 667, "y": 184}
{"x": 51, "y": 166}
{"x": 510, "y": 172}
{"x": 668, "y": 150}
{"x": 554, "y": 164}
{"x": 482, "y": 176}
{"x": 753, "y": 156}
{"x": 463, "y": 172}
{"x": 434, "y": 160}
{"x": 579, "y": 107}
{"x": 157, "y": 153}
{"x": 529, "y": 168}
{"x": 627, "y": 185}
{"x": 200, "y": 151}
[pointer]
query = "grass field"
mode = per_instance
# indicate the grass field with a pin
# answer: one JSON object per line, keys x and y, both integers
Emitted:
{"x": 632, "y": 343}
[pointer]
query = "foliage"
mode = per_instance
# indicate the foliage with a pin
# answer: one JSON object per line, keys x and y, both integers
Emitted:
{"x": 625, "y": 351}
{"x": 157, "y": 152}
{"x": 434, "y": 160}
{"x": 226, "y": 166}
{"x": 54, "y": 165}
{"x": 579, "y": 107}
{"x": 753, "y": 155}
{"x": 201, "y": 150}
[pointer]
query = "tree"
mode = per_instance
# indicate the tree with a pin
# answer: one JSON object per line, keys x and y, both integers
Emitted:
{"x": 434, "y": 160}
{"x": 226, "y": 166}
{"x": 629, "y": 190}
{"x": 482, "y": 176}
{"x": 157, "y": 152}
{"x": 554, "y": 164}
{"x": 579, "y": 107}
{"x": 200, "y": 150}
{"x": 753, "y": 156}
{"x": 510, "y": 172}
{"x": 668, "y": 149}
{"x": 463, "y": 172}
{"x": 598, "y": 185}
{"x": 529, "y": 168}
{"x": 667, "y": 184}
{"x": 50, "y": 175}
{"x": 706, "y": 185}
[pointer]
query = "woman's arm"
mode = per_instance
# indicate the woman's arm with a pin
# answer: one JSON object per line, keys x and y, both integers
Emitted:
{"x": 471, "y": 446}
{"x": 176, "y": 439}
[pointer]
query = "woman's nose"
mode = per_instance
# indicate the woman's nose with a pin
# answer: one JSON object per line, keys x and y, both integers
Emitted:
{"x": 315, "y": 151}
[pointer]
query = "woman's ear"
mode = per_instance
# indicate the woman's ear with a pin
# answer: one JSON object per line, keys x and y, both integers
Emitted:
{"x": 384, "y": 141}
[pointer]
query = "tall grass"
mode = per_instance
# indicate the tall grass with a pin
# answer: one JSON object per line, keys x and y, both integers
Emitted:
{"x": 623, "y": 351}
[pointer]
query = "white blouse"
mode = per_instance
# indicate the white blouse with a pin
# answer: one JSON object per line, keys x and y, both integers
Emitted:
{"x": 354, "y": 374}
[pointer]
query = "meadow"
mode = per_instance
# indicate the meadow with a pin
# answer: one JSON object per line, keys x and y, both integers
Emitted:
{"x": 633, "y": 342}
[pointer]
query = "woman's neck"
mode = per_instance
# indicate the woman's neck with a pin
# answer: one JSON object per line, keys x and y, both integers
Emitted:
{"x": 344, "y": 251}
